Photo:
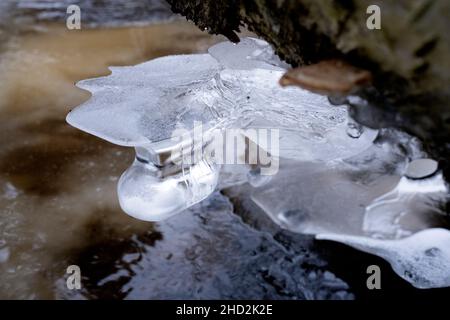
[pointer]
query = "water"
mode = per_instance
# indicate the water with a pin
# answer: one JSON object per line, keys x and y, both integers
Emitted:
{"x": 94, "y": 13}
{"x": 208, "y": 252}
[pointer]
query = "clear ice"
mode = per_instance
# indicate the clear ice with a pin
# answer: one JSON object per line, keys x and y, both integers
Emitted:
{"x": 422, "y": 259}
{"x": 337, "y": 179}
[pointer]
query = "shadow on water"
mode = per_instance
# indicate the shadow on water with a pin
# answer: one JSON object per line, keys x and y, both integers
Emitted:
{"x": 107, "y": 260}
{"x": 353, "y": 270}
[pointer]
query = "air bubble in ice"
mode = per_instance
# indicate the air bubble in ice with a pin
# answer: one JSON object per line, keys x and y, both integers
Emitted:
{"x": 354, "y": 130}
{"x": 256, "y": 179}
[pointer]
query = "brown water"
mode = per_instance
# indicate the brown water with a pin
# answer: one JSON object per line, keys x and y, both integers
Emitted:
{"x": 58, "y": 201}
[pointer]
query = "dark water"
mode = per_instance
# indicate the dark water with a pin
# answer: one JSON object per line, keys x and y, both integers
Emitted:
{"x": 93, "y": 12}
{"x": 58, "y": 203}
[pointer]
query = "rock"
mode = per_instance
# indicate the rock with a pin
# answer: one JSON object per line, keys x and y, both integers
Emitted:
{"x": 421, "y": 168}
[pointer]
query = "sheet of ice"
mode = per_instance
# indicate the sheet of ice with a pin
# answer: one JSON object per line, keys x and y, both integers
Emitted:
{"x": 333, "y": 179}
{"x": 95, "y": 13}
{"x": 311, "y": 129}
{"x": 409, "y": 207}
{"x": 145, "y": 195}
{"x": 422, "y": 259}
{"x": 366, "y": 200}
{"x": 235, "y": 86}
{"x": 313, "y": 197}
{"x": 137, "y": 105}
{"x": 308, "y": 197}
{"x": 146, "y": 103}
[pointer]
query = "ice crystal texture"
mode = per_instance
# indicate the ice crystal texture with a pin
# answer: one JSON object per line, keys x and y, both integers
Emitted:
{"x": 336, "y": 179}
{"x": 144, "y": 104}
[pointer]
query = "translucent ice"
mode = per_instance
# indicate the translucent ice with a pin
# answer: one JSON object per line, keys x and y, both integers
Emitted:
{"x": 147, "y": 195}
{"x": 423, "y": 259}
{"x": 154, "y": 106}
{"x": 135, "y": 106}
{"x": 248, "y": 54}
{"x": 407, "y": 208}
{"x": 144, "y": 104}
{"x": 336, "y": 179}
{"x": 365, "y": 200}
{"x": 421, "y": 168}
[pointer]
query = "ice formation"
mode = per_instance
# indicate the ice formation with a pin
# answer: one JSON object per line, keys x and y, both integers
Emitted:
{"x": 234, "y": 86}
{"x": 336, "y": 179}
{"x": 422, "y": 259}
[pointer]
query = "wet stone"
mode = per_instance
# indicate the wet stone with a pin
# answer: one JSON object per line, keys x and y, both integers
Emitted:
{"x": 354, "y": 130}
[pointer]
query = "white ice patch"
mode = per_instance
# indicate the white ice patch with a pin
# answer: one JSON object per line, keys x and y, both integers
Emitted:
{"x": 137, "y": 105}
{"x": 407, "y": 208}
{"x": 236, "y": 86}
